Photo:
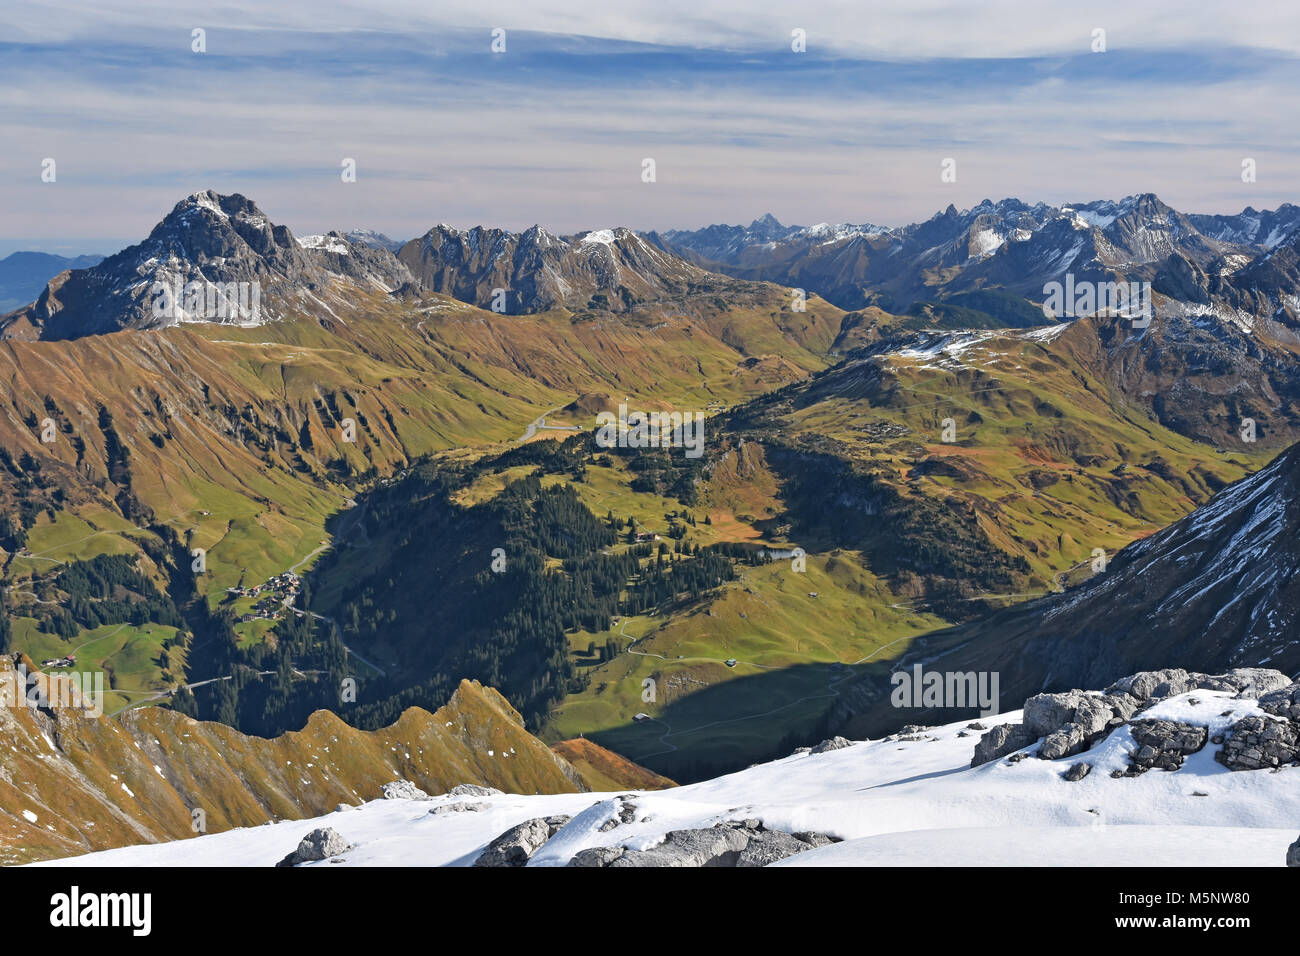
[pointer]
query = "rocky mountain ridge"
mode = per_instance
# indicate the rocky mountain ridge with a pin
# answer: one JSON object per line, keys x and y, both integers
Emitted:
{"x": 71, "y": 782}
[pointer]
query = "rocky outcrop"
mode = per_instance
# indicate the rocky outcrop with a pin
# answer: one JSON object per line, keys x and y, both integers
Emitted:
{"x": 1164, "y": 744}
{"x": 1000, "y": 741}
{"x": 1067, "y": 741}
{"x": 733, "y": 843}
{"x": 472, "y": 790}
{"x": 320, "y": 844}
{"x": 1260, "y": 682}
{"x": 1283, "y": 702}
{"x": 403, "y": 790}
{"x": 1069, "y": 723}
{"x": 625, "y": 813}
{"x": 1154, "y": 685}
{"x": 463, "y": 806}
{"x": 1256, "y": 743}
{"x": 1293, "y": 854}
{"x": 597, "y": 856}
{"x": 834, "y": 743}
{"x": 520, "y": 842}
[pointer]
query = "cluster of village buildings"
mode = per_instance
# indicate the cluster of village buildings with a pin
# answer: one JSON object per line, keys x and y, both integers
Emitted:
{"x": 274, "y": 592}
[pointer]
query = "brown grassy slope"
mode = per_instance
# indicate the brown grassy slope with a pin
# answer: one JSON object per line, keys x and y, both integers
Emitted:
{"x": 603, "y": 769}
{"x": 97, "y": 783}
{"x": 244, "y": 421}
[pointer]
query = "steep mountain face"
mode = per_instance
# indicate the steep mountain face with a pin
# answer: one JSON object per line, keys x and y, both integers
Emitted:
{"x": 606, "y": 270}
{"x": 72, "y": 783}
{"x": 1251, "y": 227}
{"x": 24, "y": 274}
{"x": 363, "y": 261}
{"x": 1198, "y": 375}
{"x": 1215, "y": 590}
{"x": 205, "y": 243}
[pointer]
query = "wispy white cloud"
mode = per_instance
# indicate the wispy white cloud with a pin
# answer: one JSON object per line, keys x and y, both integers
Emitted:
{"x": 555, "y": 130}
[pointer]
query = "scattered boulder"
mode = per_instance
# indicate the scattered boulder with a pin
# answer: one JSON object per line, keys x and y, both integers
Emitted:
{"x": 1047, "y": 713}
{"x": 1254, "y": 743}
{"x": 834, "y": 743}
{"x": 1154, "y": 685}
{"x": 768, "y": 846}
{"x": 461, "y": 806}
{"x": 473, "y": 790}
{"x": 733, "y": 843}
{"x": 1077, "y": 772}
{"x": 1282, "y": 702}
{"x": 517, "y": 845}
{"x": 1244, "y": 681}
{"x": 1066, "y": 742}
{"x": 596, "y": 856}
{"x": 320, "y": 844}
{"x": 1094, "y": 714}
{"x": 1164, "y": 744}
{"x": 1293, "y": 854}
{"x": 716, "y": 846}
{"x": 1000, "y": 741}
{"x": 815, "y": 839}
{"x": 403, "y": 790}
{"x": 626, "y": 814}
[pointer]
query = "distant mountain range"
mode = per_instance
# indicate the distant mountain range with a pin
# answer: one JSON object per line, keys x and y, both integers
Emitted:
{"x": 215, "y": 240}
{"x": 994, "y": 258}
{"x": 1008, "y": 245}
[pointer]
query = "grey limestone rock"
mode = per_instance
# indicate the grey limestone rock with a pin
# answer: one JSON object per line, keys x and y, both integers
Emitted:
{"x": 320, "y": 844}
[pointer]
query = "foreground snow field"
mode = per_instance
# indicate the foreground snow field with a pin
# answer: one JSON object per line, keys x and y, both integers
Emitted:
{"x": 893, "y": 801}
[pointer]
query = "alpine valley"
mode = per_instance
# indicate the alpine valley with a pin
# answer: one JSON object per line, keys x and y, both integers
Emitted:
{"x": 366, "y": 508}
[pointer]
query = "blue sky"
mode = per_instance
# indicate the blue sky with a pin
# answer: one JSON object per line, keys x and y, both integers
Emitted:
{"x": 555, "y": 129}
